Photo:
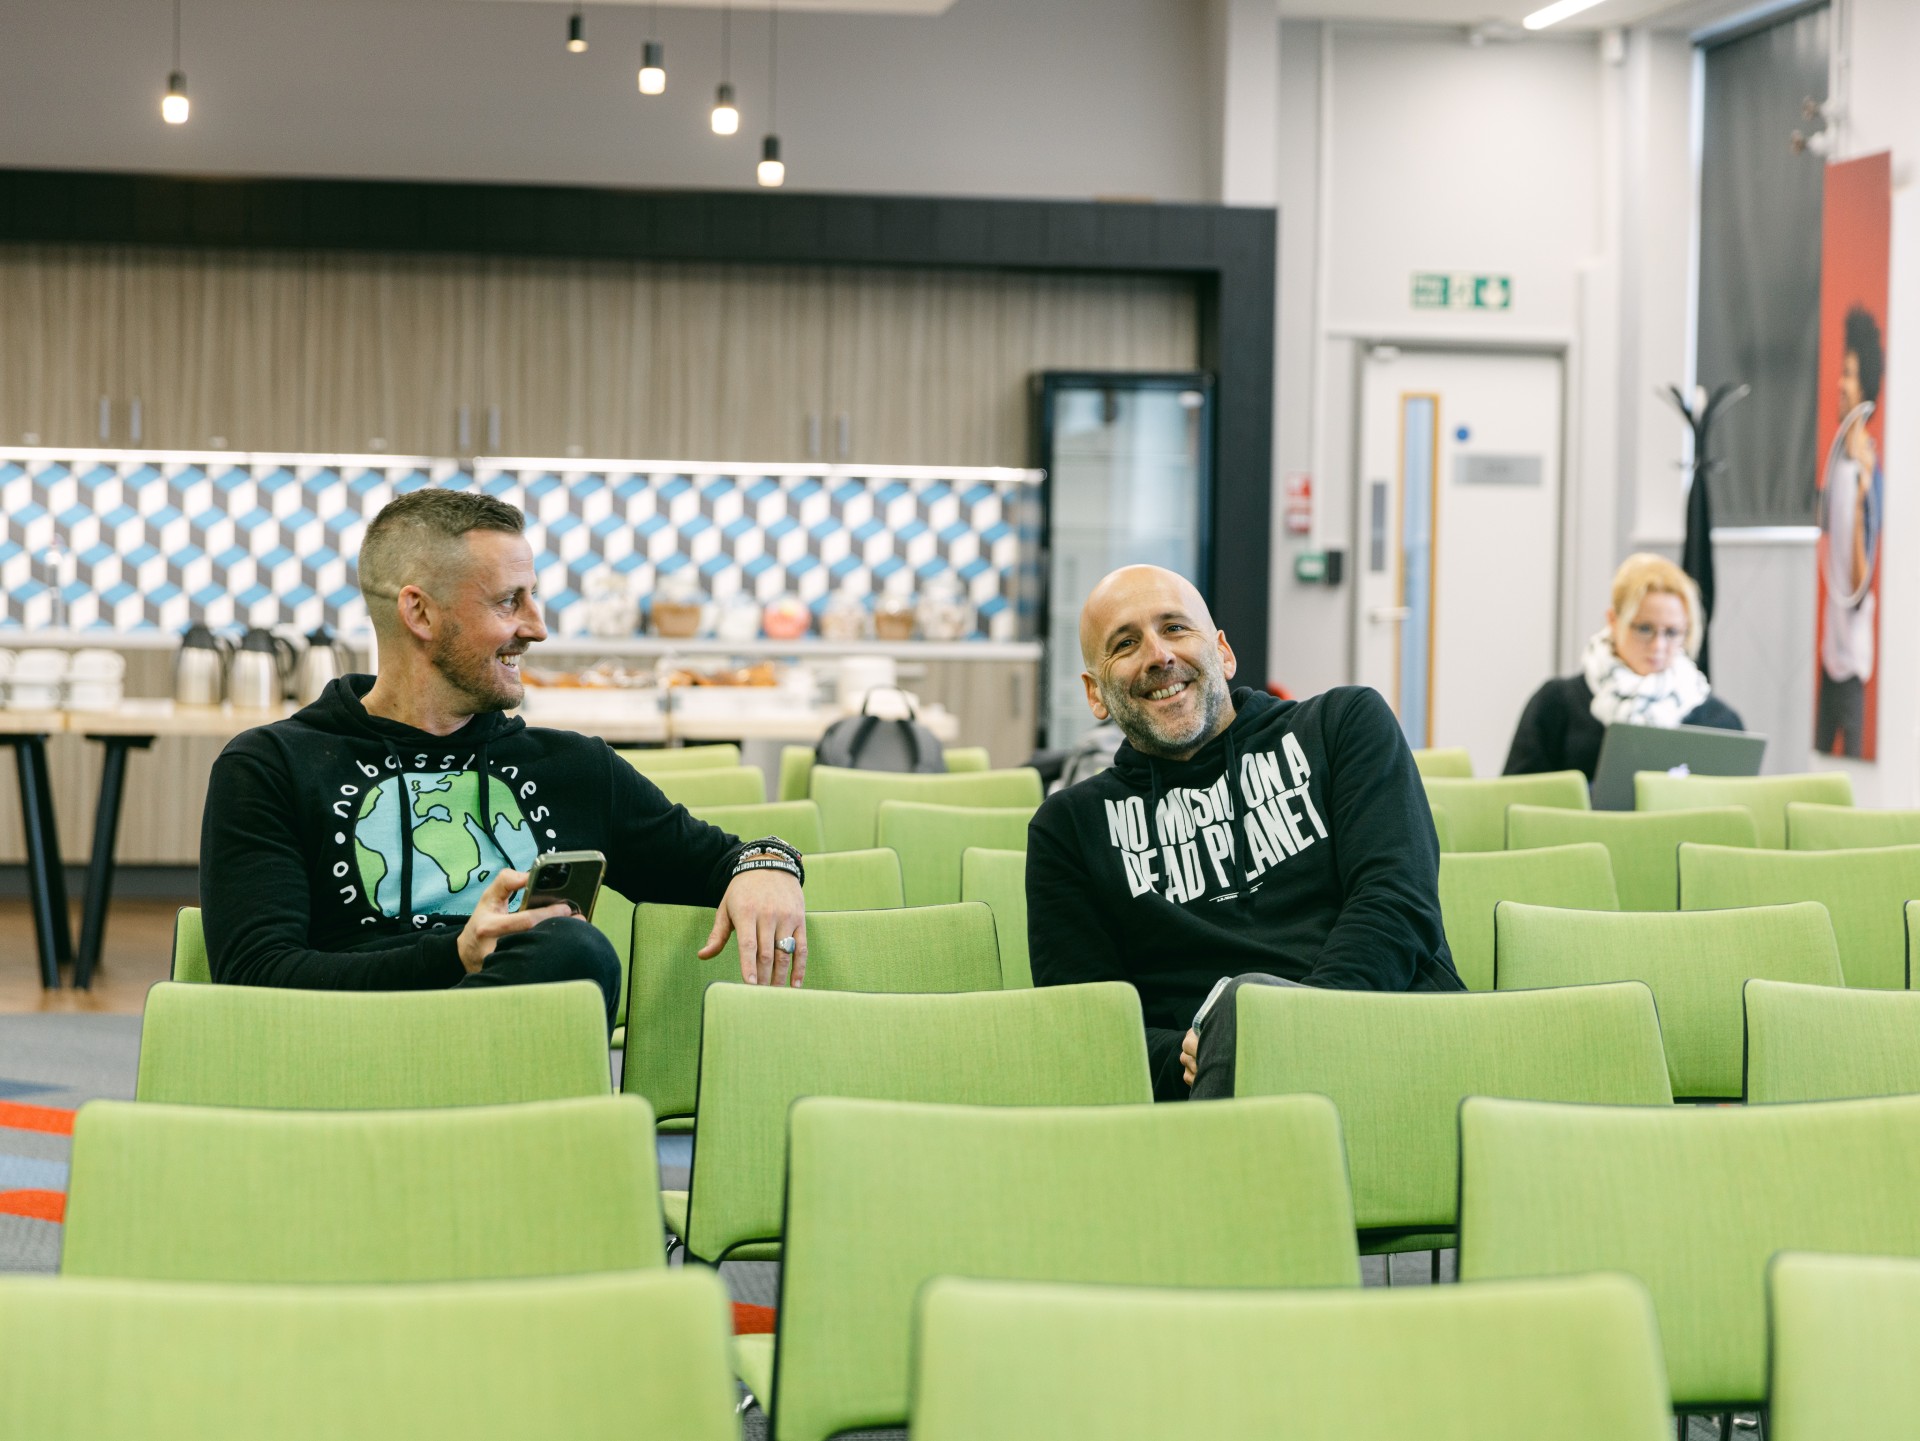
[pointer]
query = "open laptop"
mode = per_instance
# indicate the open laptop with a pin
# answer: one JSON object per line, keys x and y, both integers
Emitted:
{"x": 1702, "y": 750}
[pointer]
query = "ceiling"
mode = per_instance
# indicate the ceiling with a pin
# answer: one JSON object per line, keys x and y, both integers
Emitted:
{"x": 843, "y": 7}
{"x": 1663, "y": 14}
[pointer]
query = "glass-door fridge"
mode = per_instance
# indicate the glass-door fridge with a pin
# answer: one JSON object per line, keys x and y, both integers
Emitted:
{"x": 1129, "y": 461}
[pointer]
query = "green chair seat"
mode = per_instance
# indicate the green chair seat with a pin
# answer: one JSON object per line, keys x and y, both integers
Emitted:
{"x": 1644, "y": 845}
{"x": 932, "y": 948}
{"x": 372, "y": 1050}
{"x": 1865, "y": 893}
{"x": 1826, "y": 1043}
{"x": 883, "y": 1197}
{"x": 1693, "y": 1200}
{"x": 795, "y": 822}
{"x": 733, "y": 786}
{"x": 207, "y": 1193}
{"x": 1472, "y": 883}
{"x": 753, "y": 1364}
{"x": 930, "y": 839}
{"x": 1766, "y": 796}
{"x": 849, "y": 800}
{"x": 963, "y": 760}
{"x": 1575, "y": 1360}
{"x": 1841, "y": 1359}
{"x": 1476, "y": 809}
{"x": 999, "y": 878}
{"x": 1401, "y": 1121}
{"x": 624, "y": 1357}
{"x": 190, "y": 948}
{"x": 673, "y": 1207}
{"x": 1696, "y": 963}
{"x": 1815, "y": 827}
{"x": 1444, "y": 761}
{"x": 659, "y": 760}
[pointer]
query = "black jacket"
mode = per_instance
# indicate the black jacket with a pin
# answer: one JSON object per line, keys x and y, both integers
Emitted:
{"x": 1297, "y": 843}
{"x": 303, "y": 867}
{"x": 1558, "y": 732}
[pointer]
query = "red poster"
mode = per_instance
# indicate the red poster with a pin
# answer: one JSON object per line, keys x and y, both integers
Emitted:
{"x": 1854, "y": 240}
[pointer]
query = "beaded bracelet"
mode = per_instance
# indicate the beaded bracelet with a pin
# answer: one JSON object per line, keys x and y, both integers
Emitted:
{"x": 779, "y": 849}
{"x": 769, "y": 863}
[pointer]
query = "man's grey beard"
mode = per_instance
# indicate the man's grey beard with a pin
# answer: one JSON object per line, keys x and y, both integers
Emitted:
{"x": 1131, "y": 715}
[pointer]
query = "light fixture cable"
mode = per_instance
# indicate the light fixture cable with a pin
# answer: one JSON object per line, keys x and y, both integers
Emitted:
{"x": 653, "y": 57}
{"x": 726, "y": 115}
{"x": 174, "y": 106}
{"x": 772, "y": 171}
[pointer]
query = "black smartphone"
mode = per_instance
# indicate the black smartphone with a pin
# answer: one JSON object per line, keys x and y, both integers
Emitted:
{"x": 566, "y": 877}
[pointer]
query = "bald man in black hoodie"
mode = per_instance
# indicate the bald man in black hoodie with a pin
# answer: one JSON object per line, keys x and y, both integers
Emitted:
{"x": 1237, "y": 837}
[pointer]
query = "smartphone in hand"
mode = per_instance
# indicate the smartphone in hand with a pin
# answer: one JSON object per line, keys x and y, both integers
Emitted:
{"x": 566, "y": 878}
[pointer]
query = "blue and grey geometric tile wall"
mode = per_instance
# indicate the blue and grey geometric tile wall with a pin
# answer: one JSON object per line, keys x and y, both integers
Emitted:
{"x": 124, "y": 540}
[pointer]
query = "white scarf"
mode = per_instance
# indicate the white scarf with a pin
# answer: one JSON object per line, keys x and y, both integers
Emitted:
{"x": 1664, "y": 698}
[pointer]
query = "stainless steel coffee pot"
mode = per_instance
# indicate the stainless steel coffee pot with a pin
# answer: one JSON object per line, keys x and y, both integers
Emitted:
{"x": 200, "y": 667}
{"x": 261, "y": 669}
{"x": 323, "y": 660}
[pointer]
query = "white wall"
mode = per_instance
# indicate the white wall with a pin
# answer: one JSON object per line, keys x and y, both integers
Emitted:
{"x": 996, "y": 97}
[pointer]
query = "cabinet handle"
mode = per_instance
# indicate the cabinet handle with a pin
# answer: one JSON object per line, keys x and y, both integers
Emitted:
{"x": 843, "y": 426}
{"x": 133, "y": 419}
{"x": 106, "y": 419}
{"x": 493, "y": 429}
{"x": 462, "y": 430}
{"x": 813, "y": 435}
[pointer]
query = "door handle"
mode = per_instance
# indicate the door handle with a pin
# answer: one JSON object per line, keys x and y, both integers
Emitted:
{"x": 1380, "y": 614}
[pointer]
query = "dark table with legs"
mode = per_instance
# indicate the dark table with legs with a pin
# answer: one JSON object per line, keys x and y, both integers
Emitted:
{"x": 46, "y": 876}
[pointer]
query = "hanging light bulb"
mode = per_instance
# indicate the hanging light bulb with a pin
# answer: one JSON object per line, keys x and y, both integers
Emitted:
{"x": 653, "y": 68}
{"x": 175, "y": 107}
{"x": 771, "y": 172}
{"x": 577, "y": 32}
{"x": 726, "y": 115}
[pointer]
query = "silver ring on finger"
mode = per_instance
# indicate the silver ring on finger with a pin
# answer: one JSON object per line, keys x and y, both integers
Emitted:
{"x": 785, "y": 945}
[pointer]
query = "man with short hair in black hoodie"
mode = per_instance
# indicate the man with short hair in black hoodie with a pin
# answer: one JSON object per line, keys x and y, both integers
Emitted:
{"x": 376, "y": 840}
{"x": 1236, "y": 836}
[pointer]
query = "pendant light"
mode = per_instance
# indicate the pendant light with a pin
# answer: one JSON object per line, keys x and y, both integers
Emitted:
{"x": 726, "y": 115}
{"x": 577, "y": 31}
{"x": 175, "y": 108}
{"x": 653, "y": 58}
{"x": 772, "y": 172}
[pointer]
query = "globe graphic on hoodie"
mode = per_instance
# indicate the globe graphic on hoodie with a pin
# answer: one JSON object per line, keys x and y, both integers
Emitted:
{"x": 456, "y": 851}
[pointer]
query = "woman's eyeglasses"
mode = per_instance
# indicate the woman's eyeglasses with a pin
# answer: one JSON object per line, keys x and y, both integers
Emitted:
{"x": 1648, "y": 634}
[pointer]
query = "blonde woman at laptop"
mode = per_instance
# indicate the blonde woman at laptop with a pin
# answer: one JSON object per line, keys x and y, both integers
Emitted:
{"x": 1638, "y": 670}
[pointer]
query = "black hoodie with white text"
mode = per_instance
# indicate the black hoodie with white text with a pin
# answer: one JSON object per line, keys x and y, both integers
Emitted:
{"x": 1297, "y": 842}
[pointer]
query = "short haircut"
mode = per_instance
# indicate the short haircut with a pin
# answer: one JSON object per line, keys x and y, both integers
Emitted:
{"x": 414, "y": 538}
{"x": 1862, "y": 334}
{"x": 1643, "y": 574}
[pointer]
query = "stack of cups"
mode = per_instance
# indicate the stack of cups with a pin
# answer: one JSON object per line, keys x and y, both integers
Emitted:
{"x": 39, "y": 678}
{"x": 96, "y": 679}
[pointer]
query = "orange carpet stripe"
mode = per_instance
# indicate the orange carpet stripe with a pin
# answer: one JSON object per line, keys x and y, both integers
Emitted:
{"x": 42, "y": 1206}
{"x": 747, "y": 1320}
{"x": 50, "y": 1119}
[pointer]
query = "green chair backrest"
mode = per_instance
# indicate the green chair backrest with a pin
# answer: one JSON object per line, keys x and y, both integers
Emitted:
{"x": 659, "y": 760}
{"x": 930, "y": 838}
{"x": 734, "y": 786}
{"x": 1841, "y": 1352}
{"x": 854, "y": 881}
{"x": 1578, "y": 1360}
{"x": 1865, "y": 893}
{"x": 613, "y": 918}
{"x": 1766, "y": 796}
{"x": 882, "y": 1197}
{"x": 795, "y": 822}
{"x": 207, "y": 1193}
{"x": 1826, "y": 1043}
{"x": 1452, "y": 761}
{"x": 932, "y": 948}
{"x": 1476, "y": 810}
{"x": 372, "y": 1050}
{"x": 1442, "y": 832}
{"x": 1694, "y": 961}
{"x": 760, "y": 1049}
{"x": 190, "y": 947}
{"x": 1401, "y": 1120}
{"x": 999, "y": 878}
{"x": 1814, "y": 827}
{"x": 84, "y": 1359}
{"x": 850, "y": 800}
{"x": 1644, "y": 845}
{"x": 1691, "y": 1199}
{"x": 961, "y": 759}
{"x": 1472, "y": 883}
{"x": 796, "y": 767}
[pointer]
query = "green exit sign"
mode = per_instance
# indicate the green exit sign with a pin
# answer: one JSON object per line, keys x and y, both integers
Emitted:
{"x": 1457, "y": 290}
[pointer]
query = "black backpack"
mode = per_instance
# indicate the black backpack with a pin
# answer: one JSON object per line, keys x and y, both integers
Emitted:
{"x": 873, "y": 743}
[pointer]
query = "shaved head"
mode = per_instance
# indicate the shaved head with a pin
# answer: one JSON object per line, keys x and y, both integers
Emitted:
{"x": 1122, "y": 591}
{"x": 1157, "y": 666}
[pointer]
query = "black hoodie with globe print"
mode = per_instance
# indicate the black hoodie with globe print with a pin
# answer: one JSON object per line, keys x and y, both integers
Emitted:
{"x": 1297, "y": 842}
{"x": 308, "y": 878}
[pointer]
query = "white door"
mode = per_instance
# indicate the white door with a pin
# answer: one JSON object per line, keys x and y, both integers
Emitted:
{"x": 1457, "y": 562}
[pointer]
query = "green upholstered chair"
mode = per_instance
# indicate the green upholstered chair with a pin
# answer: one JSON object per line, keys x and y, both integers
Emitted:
{"x": 1576, "y": 1359}
{"x": 1401, "y": 1120}
{"x": 1472, "y": 883}
{"x": 961, "y": 759}
{"x": 1766, "y": 796}
{"x": 1442, "y": 832}
{"x": 209, "y": 1193}
{"x": 796, "y": 767}
{"x": 795, "y": 822}
{"x": 854, "y": 881}
{"x": 1444, "y": 761}
{"x": 930, "y": 838}
{"x": 1476, "y": 810}
{"x": 1644, "y": 845}
{"x": 1695, "y": 961}
{"x": 1693, "y": 1200}
{"x": 190, "y": 947}
{"x": 999, "y": 878}
{"x": 372, "y": 1050}
{"x": 931, "y": 948}
{"x": 1814, "y": 827}
{"x": 761, "y": 1049}
{"x": 850, "y": 800}
{"x": 1842, "y": 1332}
{"x": 1826, "y": 1043}
{"x": 626, "y": 1357}
{"x": 613, "y": 918}
{"x": 733, "y": 786}
{"x": 660, "y": 760}
{"x": 1865, "y": 893}
{"x": 883, "y": 1197}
